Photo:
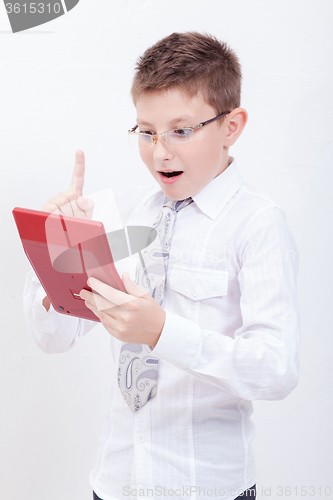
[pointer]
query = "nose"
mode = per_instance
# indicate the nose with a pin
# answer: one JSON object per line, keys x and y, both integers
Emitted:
{"x": 161, "y": 150}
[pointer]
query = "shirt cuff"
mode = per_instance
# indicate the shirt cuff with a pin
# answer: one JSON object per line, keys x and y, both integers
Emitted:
{"x": 179, "y": 342}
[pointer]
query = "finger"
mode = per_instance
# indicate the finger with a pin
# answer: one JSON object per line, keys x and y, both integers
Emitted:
{"x": 131, "y": 287}
{"x": 115, "y": 296}
{"x": 106, "y": 319}
{"x": 77, "y": 206}
{"x": 78, "y": 173}
{"x": 55, "y": 207}
{"x": 85, "y": 206}
{"x": 60, "y": 203}
{"x": 82, "y": 207}
{"x": 70, "y": 207}
{"x": 76, "y": 210}
{"x": 51, "y": 208}
{"x": 92, "y": 308}
{"x": 96, "y": 300}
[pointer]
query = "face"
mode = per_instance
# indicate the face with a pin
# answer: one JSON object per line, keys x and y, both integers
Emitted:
{"x": 199, "y": 161}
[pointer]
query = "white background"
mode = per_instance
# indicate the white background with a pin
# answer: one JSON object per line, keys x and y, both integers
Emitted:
{"x": 64, "y": 86}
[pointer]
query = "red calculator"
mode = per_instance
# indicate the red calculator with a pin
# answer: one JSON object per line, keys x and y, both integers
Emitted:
{"x": 64, "y": 252}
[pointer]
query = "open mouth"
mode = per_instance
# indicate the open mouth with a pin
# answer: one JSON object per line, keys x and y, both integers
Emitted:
{"x": 171, "y": 174}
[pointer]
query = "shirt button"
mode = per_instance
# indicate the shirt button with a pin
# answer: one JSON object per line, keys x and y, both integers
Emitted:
{"x": 141, "y": 438}
{"x": 195, "y": 292}
{"x": 289, "y": 317}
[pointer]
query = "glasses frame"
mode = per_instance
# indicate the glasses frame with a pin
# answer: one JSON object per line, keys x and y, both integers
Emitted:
{"x": 162, "y": 134}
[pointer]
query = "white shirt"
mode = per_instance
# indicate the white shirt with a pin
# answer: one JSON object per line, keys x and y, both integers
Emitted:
{"x": 231, "y": 336}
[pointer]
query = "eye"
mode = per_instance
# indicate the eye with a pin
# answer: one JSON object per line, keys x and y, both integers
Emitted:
{"x": 180, "y": 131}
{"x": 148, "y": 132}
{"x": 180, "y": 134}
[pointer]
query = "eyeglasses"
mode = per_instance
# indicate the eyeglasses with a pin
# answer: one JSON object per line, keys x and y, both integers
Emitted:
{"x": 177, "y": 136}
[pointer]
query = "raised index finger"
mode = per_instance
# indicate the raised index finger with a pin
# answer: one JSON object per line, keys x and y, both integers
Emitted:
{"x": 78, "y": 172}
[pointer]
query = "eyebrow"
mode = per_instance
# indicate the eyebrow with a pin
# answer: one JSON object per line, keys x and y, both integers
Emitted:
{"x": 181, "y": 119}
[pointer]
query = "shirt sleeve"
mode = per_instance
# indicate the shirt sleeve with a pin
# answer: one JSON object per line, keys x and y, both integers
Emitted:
{"x": 261, "y": 359}
{"x": 52, "y": 332}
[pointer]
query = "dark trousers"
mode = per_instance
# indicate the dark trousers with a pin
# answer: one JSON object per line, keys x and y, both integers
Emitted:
{"x": 250, "y": 493}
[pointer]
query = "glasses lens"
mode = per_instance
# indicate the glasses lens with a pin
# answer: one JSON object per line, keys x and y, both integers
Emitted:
{"x": 141, "y": 141}
{"x": 180, "y": 135}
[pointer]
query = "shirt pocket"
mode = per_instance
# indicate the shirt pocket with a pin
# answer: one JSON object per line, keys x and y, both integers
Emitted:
{"x": 198, "y": 284}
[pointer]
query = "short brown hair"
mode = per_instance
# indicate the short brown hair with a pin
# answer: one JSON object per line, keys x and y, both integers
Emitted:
{"x": 196, "y": 63}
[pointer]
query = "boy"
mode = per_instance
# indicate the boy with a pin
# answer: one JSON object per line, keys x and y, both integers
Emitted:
{"x": 223, "y": 328}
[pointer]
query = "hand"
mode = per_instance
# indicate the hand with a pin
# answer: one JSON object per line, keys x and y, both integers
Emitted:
{"x": 130, "y": 317}
{"x": 71, "y": 202}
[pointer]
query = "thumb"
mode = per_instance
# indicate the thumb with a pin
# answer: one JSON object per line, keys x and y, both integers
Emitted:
{"x": 86, "y": 205}
{"x": 131, "y": 287}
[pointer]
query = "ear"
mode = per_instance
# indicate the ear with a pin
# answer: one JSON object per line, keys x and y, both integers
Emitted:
{"x": 235, "y": 123}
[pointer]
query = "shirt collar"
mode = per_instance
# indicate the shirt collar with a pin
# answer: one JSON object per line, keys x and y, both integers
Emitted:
{"x": 216, "y": 194}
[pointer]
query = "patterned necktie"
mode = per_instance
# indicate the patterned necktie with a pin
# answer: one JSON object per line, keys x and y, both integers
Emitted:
{"x": 138, "y": 369}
